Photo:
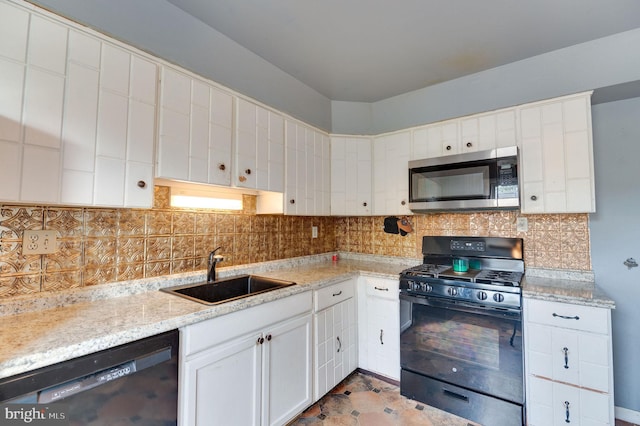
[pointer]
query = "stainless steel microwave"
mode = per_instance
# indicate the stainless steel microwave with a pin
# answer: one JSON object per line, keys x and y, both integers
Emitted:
{"x": 470, "y": 181}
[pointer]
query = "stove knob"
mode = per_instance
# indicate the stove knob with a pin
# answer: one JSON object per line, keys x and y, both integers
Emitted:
{"x": 452, "y": 291}
{"x": 498, "y": 297}
{"x": 482, "y": 295}
{"x": 428, "y": 288}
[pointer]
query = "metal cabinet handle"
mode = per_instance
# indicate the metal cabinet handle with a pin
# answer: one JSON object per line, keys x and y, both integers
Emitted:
{"x": 381, "y": 334}
{"x": 381, "y": 288}
{"x": 248, "y": 171}
{"x": 269, "y": 337}
{"x": 565, "y": 317}
{"x": 221, "y": 166}
{"x": 469, "y": 144}
{"x": 142, "y": 184}
{"x": 364, "y": 204}
{"x": 448, "y": 147}
{"x": 534, "y": 198}
{"x": 339, "y": 344}
{"x": 292, "y": 201}
{"x": 566, "y": 357}
{"x": 260, "y": 340}
{"x": 403, "y": 202}
{"x": 566, "y": 408}
{"x": 338, "y": 293}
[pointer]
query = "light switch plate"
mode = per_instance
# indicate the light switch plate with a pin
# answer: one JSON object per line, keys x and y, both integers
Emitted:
{"x": 314, "y": 232}
{"x": 39, "y": 242}
{"x": 522, "y": 224}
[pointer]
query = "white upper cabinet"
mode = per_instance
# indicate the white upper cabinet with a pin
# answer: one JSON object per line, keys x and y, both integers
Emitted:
{"x": 78, "y": 123}
{"x": 390, "y": 183}
{"x": 487, "y": 131}
{"x": 351, "y": 176}
{"x": 195, "y": 130}
{"x": 556, "y": 156}
{"x": 307, "y": 170}
{"x": 477, "y": 132}
{"x": 259, "y": 148}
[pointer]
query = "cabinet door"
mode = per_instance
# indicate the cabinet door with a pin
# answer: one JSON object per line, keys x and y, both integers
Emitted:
{"x": 173, "y": 149}
{"x": 221, "y": 133}
{"x": 390, "y": 183}
{"x": 383, "y": 337}
{"x": 551, "y": 403}
{"x": 569, "y": 356}
{"x": 287, "y": 363}
{"x": 246, "y": 139}
{"x": 292, "y": 199}
{"x": 379, "y": 326}
{"x": 219, "y": 381}
{"x": 335, "y": 345}
{"x": 557, "y": 156}
{"x": 351, "y": 163}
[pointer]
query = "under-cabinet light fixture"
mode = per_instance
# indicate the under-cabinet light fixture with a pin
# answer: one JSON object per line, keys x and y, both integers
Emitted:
{"x": 195, "y": 196}
{"x": 189, "y": 201}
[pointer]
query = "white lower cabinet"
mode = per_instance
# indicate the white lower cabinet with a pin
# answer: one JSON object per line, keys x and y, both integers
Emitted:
{"x": 379, "y": 326}
{"x": 568, "y": 364}
{"x": 335, "y": 340}
{"x": 251, "y": 367}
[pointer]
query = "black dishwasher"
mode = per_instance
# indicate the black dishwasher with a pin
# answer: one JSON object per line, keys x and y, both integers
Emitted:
{"x": 131, "y": 384}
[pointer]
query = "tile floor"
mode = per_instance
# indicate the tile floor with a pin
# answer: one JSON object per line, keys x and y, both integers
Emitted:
{"x": 365, "y": 400}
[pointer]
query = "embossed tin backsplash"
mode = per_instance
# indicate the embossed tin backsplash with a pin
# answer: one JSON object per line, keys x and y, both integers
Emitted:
{"x": 98, "y": 245}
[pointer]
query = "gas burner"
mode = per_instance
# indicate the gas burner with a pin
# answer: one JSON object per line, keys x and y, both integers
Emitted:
{"x": 426, "y": 270}
{"x": 504, "y": 278}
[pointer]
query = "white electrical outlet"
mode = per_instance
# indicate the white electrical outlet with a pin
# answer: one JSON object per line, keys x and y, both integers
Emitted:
{"x": 39, "y": 242}
{"x": 522, "y": 224}
{"x": 314, "y": 232}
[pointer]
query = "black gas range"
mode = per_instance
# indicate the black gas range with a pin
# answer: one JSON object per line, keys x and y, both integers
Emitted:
{"x": 495, "y": 268}
{"x": 461, "y": 328}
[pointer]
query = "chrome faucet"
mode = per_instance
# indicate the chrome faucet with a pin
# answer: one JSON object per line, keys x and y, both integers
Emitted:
{"x": 211, "y": 267}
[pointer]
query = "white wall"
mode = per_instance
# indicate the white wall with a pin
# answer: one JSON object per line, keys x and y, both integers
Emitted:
{"x": 615, "y": 236}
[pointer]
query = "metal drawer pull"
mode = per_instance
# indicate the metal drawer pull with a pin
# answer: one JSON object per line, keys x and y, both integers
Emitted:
{"x": 339, "y": 344}
{"x": 455, "y": 395}
{"x": 566, "y": 357}
{"x": 565, "y": 317}
{"x": 338, "y": 293}
{"x": 381, "y": 289}
{"x": 381, "y": 333}
{"x": 566, "y": 407}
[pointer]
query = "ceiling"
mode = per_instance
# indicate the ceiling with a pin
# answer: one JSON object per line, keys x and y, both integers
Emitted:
{"x": 369, "y": 50}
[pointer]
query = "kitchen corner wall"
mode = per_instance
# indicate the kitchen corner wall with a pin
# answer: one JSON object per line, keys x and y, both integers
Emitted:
{"x": 101, "y": 245}
{"x": 557, "y": 241}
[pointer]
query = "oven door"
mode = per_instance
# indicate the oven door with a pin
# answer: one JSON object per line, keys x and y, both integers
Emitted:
{"x": 474, "y": 348}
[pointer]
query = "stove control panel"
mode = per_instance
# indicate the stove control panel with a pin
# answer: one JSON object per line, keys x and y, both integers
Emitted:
{"x": 474, "y": 246}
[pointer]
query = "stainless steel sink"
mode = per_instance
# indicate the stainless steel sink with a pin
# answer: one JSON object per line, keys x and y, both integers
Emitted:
{"x": 228, "y": 289}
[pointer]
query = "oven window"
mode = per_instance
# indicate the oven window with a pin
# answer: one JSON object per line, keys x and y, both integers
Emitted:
{"x": 437, "y": 183}
{"x": 470, "y": 350}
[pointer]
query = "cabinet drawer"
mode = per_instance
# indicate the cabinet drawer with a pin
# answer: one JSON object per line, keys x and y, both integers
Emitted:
{"x": 200, "y": 336}
{"x": 336, "y": 293}
{"x": 381, "y": 287}
{"x": 576, "y": 317}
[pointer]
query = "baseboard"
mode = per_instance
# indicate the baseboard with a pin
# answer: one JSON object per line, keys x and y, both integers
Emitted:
{"x": 627, "y": 415}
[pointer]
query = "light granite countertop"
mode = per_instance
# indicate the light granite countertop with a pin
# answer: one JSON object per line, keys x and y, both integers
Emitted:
{"x": 46, "y": 329}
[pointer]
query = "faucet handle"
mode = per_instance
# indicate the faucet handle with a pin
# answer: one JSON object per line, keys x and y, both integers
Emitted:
{"x": 218, "y": 258}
